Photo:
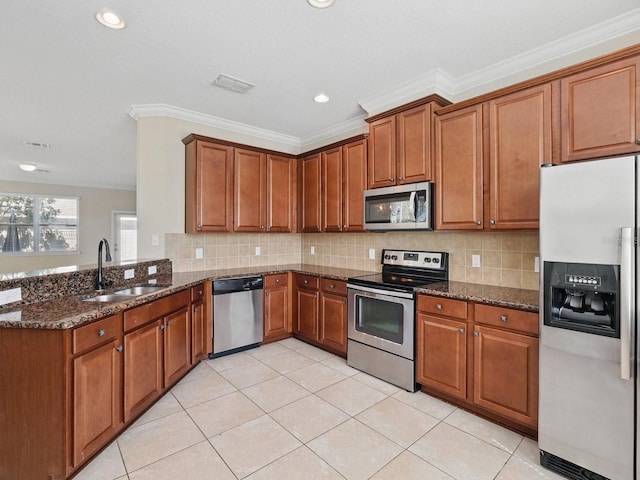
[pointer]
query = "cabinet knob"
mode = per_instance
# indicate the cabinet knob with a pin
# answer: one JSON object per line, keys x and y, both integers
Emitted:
{"x": 261, "y": 227}
{"x": 492, "y": 222}
{"x": 277, "y": 280}
{"x": 439, "y": 306}
{"x": 315, "y": 296}
{"x": 266, "y": 294}
{"x": 318, "y": 228}
{"x": 478, "y": 222}
{"x": 332, "y": 286}
{"x": 199, "y": 225}
{"x": 475, "y": 334}
{"x": 344, "y": 226}
{"x": 391, "y": 179}
{"x": 199, "y": 292}
{"x": 461, "y": 330}
{"x": 638, "y": 141}
{"x": 503, "y": 318}
{"x": 168, "y": 323}
{"x": 162, "y": 326}
{"x": 400, "y": 178}
{"x": 101, "y": 332}
{"x": 119, "y": 348}
{"x": 306, "y": 281}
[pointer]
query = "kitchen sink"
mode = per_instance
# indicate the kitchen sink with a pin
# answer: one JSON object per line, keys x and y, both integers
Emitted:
{"x": 111, "y": 297}
{"x": 139, "y": 290}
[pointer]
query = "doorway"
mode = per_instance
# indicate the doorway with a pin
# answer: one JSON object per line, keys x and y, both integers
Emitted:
{"x": 125, "y": 236}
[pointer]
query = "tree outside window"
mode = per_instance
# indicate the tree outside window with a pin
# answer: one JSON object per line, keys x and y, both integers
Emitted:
{"x": 38, "y": 224}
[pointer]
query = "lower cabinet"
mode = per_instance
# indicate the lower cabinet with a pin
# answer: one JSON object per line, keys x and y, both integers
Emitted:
{"x": 277, "y": 307}
{"x": 177, "y": 344}
{"x": 307, "y": 307}
{"x": 484, "y": 356}
{"x": 198, "y": 324}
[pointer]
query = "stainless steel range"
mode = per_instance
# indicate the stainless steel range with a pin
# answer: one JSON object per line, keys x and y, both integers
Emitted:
{"x": 381, "y": 314}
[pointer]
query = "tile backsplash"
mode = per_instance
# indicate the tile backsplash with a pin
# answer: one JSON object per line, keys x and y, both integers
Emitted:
{"x": 506, "y": 258}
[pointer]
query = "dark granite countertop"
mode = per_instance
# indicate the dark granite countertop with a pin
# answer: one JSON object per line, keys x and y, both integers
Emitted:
{"x": 71, "y": 311}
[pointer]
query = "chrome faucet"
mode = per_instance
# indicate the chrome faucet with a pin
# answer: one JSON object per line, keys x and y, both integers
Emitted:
{"x": 100, "y": 281}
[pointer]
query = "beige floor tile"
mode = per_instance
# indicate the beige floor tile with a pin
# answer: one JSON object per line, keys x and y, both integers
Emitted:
{"x": 340, "y": 364}
{"x": 194, "y": 463}
{"x": 309, "y": 417}
{"x": 224, "y": 413}
{"x": 202, "y": 389}
{"x": 426, "y": 403}
{"x": 521, "y": 469}
{"x": 292, "y": 343}
{"x": 316, "y": 377}
{"x": 529, "y": 450}
{"x": 250, "y": 374}
{"x": 288, "y": 361}
{"x": 275, "y": 393}
{"x": 230, "y": 361}
{"x": 106, "y": 466}
{"x": 314, "y": 353}
{"x": 350, "y": 396}
{"x": 155, "y": 440}
{"x": 200, "y": 370}
{"x": 354, "y": 450}
{"x": 407, "y": 466}
{"x": 460, "y": 454}
{"x": 167, "y": 405}
{"x": 251, "y": 446}
{"x": 268, "y": 350}
{"x": 397, "y": 421}
{"x": 301, "y": 464}
{"x": 485, "y": 430}
{"x": 373, "y": 382}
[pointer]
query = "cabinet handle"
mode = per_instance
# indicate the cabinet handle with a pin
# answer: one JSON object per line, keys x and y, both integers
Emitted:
{"x": 492, "y": 222}
{"x": 119, "y": 348}
{"x": 461, "y": 330}
{"x": 400, "y": 178}
{"x": 101, "y": 332}
{"x": 168, "y": 323}
{"x": 266, "y": 294}
{"x": 503, "y": 318}
{"x": 638, "y": 141}
{"x": 475, "y": 334}
{"x": 199, "y": 292}
{"x": 332, "y": 286}
{"x": 438, "y": 306}
{"x": 478, "y": 222}
{"x": 391, "y": 179}
{"x": 162, "y": 326}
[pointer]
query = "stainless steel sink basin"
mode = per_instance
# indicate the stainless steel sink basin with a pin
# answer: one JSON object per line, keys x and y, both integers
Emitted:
{"x": 111, "y": 297}
{"x": 139, "y": 290}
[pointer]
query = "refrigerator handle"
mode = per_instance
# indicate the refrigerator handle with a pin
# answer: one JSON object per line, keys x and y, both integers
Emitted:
{"x": 627, "y": 301}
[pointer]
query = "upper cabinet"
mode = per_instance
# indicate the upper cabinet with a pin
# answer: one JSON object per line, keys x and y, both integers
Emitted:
{"x": 487, "y": 161}
{"x": 600, "y": 111}
{"x": 400, "y": 147}
{"x": 208, "y": 186}
{"x": 310, "y": 176}
{"x": 282, "y": 175}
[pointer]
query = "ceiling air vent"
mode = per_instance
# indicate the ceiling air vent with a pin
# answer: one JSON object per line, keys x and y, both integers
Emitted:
{"x": 45, "y": 146}
{"x": 233, "y": 84}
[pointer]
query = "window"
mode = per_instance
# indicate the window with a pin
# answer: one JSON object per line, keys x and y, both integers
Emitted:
{"x": 38, "y": 224}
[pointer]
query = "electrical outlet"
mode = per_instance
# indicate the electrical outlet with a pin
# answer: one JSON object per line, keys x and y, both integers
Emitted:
{"x": 257, "y": 251}
{"x": 536, "y": 264}
{"x": 152, "y": 270}
{"x": 313, "y": 250}
{"x": 199, "y": 252}
{"x": 129, "y": 273}
{"x": 10, "y": 296}
{"x": 475, "y": 261}
{"x": 155, "y": 240}
{"x": 372, "y": 254}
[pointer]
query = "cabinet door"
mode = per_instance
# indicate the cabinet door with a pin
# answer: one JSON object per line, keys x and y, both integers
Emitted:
{"x": 414, "y": 145}
{"x": 276, "y": 306}
{"x": 333, "y": 322}
{"x": 332, "y": 190}
{"x": 441, "y": 353}
{"x": 506, "y": 374}
{"x": 281, "y": 194}
{"x": 520, "y": 141}
{"x": 382, "y": 152}
{"x": 249, "y": 190}
{"x": 354, "y": 182}
{"x": 143, "y": 379}
{"x": 459, "y": 170}
{"x": 600, "y": 111}
{"x": 311, "y": 175}
{"x": 97, "y": 399}
{"x": 209, "y": 186}
{"x": 198, "y": 329}
{"x": 307, "y": 313}
{"x": 177, "y": 345}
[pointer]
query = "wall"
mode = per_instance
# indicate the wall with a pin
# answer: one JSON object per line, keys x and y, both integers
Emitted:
{"x": 507, "y": 259}
{"x": 96, "y": 205}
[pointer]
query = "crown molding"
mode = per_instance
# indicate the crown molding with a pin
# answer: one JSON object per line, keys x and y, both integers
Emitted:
{"x": 346, "y": 129}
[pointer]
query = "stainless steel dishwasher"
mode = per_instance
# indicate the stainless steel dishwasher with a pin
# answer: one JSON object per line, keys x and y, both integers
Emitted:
{"x": 237, "y": 315}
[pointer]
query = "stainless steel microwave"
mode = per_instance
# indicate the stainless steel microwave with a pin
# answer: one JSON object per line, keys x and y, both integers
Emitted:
{"x": 403, "y": 207}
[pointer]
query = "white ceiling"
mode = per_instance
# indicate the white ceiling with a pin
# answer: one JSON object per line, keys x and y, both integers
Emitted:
{"x": 67, "y": 81}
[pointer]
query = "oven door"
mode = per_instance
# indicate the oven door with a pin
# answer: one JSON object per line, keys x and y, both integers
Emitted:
{"x": 382, "y": 319}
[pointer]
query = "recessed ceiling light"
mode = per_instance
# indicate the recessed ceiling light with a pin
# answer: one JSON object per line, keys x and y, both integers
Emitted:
{"x": 110, "y": 20}
{"x": 321, "y": 98}
{"x": 28, "y": 167}
{"x": 320, "y": 3}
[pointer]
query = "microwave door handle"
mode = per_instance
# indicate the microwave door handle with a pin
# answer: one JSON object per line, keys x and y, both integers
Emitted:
{"x": 627, "y": 302}
{"x": 412, "y": 206}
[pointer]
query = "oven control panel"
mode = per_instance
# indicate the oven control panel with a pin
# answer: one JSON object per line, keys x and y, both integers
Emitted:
{"x": 583, "y": 280}
{"x": 415, "y": 259}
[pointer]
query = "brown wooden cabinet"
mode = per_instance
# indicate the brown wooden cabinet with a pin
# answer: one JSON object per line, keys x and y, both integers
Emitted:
{"x": 307, "y": 307}
{"x": 331, "y": 193}
{"x": 277, "y": 307}
{"x": 208, "y": 186}
{"x": 600, "y": 111}
{"x": 281, "y": 199}
{"x": 177, "y": 345}
{"x": 198, "y": 324}
{"x": 495, "y": 185}
{"x": 310, "y": 180}
{"x": 400, "y": 147}
{"x": 333, "y": 315}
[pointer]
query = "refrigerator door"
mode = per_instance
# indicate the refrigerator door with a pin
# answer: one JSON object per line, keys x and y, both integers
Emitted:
{"x": 586, "y": 408}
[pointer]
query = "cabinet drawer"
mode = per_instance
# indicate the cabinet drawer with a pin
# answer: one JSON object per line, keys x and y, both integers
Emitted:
{"x": 307, "y": 281}
{"x": 275, "y": 280}
{"x": 138, "y": 316}
{"x": 337, "y": 287}
{"x": 95, "y": 333}
{"x": 526, "y": 322}
{"x": 197, "y": 293}
{"x": 443, "y": 306}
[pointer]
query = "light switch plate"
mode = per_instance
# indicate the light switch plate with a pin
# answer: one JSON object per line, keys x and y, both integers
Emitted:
{"x": 257, "y": 251}
{"x": 199, "y": 252}
{"x": 372, "y": 254}
{"x": 155, "y": 240}
{"x": 536, "y": 264}
{"x": 313, "y": 250}
{"x": 129, "y": 273}
{"x": 475, "y": 261}
{"x": 10, "y": 296}
{"x": 152, "y": 270}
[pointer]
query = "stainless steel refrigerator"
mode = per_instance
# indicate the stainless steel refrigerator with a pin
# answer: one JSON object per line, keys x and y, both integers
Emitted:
{"x": 588, "y": 326}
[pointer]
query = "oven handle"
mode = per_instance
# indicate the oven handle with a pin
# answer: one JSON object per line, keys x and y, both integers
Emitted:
{"x": 627, "y": 300}
{"x": 378, "y": 291}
